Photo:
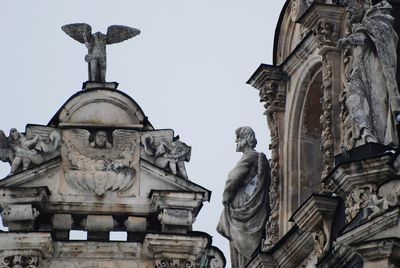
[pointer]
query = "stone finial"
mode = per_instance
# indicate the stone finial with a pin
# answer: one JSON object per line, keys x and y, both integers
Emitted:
{"x": 96, "y": 45}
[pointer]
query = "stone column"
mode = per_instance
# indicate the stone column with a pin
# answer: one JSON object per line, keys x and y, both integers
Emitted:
{"x": 271, "y": 83}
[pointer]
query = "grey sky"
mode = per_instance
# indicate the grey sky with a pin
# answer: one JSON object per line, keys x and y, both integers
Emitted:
{"x": 187, "y": 70}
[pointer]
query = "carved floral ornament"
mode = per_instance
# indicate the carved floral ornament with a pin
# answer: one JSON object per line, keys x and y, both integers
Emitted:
{"x": 174, "y": 263}
{"x": 19, "y": 261}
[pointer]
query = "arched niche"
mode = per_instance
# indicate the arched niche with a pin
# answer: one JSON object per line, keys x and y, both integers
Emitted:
{"x": 309, "y": 142}
{"x": 303, "y": 156}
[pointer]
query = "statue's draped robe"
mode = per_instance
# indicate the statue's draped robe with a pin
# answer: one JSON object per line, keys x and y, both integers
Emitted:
{"x": 373, "y": 85}
{"x": 243, "y": 218}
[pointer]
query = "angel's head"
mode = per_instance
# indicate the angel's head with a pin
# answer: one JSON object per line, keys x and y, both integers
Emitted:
{"x": 101, "y": 140}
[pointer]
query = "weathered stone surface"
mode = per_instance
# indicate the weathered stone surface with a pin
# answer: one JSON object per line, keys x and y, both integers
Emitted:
{"x": 136, "y": 224}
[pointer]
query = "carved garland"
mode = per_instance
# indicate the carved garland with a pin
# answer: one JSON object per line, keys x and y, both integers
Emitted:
{"x": 325, "y": 119}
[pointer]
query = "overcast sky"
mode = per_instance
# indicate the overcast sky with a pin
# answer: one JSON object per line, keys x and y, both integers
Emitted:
{"x": 187, "y": 70}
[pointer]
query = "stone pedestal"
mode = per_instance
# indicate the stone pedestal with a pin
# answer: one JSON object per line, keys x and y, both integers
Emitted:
{"x": 176, "y": 210}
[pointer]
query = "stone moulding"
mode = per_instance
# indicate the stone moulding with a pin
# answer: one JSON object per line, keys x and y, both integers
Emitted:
{"x": 375, "y": 240}
{"x": 292, "y": 248}
{"x": 315, "y": 216}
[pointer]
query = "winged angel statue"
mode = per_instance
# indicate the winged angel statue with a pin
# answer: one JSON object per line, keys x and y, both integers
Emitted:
{"x": 21, "y": 151}
{"x": 96, "y": 45}
{"x": 93, "y": 167}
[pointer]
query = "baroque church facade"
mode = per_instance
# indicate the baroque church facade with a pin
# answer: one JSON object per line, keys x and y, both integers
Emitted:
{"x": 332, "y": 104}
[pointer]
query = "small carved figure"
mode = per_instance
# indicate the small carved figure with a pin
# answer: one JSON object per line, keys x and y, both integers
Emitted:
{"x": 101, "y": 141}
{"x": 168, "y": 154}
{"x": 18, "y": 150}
{"x": 245, "y": 200}
{"x": 96, "y": 45}
{"x": 373, "y": 98}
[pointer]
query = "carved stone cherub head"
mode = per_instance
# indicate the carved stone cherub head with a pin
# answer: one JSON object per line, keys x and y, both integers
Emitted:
{"x": 101, "y": 141}
{"x": 245, "y": 139}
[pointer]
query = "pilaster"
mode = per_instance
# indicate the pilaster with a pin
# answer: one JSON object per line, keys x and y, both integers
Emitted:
{"x": 270, "y": 81}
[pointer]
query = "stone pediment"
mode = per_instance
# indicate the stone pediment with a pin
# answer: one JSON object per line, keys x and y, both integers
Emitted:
{"x": 92, "y": 107}
{"x": 110, "y": 169}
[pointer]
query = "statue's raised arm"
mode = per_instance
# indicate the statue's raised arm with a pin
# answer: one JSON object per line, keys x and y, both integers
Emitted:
{"x": 96, "y": 45}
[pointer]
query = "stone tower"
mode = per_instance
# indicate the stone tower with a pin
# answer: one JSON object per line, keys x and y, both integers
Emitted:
{"x": 100, "y": 166}
{"x": 332, "y": 104}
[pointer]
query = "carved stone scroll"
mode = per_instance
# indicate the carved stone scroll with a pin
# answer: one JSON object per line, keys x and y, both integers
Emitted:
{"x": 19, "y": 261}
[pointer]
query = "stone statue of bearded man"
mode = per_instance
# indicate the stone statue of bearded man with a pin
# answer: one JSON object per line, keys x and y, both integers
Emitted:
{"x": 245, "y": 200}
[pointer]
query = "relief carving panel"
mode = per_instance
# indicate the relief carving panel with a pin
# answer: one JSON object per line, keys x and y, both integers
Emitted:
{"x": 100, "y": 161}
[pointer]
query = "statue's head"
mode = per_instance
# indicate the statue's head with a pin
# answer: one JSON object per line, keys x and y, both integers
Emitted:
{"x": 14, "y": 134}
{"x": 356, "y": 9}
{"x": 245, "y": 138}
{"x": 101, "y": 140}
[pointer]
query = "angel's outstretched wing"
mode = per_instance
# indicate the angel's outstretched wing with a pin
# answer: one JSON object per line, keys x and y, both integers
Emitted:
{"x": 81, "y": 32}
{"x": 6, "y": 152}
{"x": 125, "y": 140}
{"x": 78, "y": 139}
{"x": 118, "y": 33}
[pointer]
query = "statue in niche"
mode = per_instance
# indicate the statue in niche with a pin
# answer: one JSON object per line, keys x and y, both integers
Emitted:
{"x": 96, "y": 45}
{"x": 372, "y": 93}
{"x": 101, "y": 141}
{"x": 245, "y": 200}
{"x": 21, "y": 151}
{"x": 172, "y": 154}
